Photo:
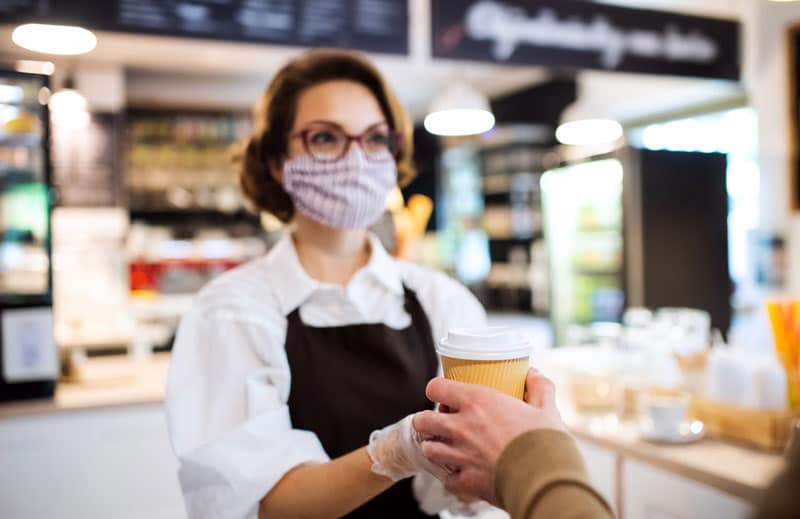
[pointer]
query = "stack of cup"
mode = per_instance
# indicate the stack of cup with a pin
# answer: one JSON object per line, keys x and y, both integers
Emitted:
{"x": 496, "y": 357}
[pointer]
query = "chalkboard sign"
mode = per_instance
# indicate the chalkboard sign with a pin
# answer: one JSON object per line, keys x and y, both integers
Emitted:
{"x": 793, "y": 52}
{"x": 370, "y": 25}
{"x": 571, "y": 34}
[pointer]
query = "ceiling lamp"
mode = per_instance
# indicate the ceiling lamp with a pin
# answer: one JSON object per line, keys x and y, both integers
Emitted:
{"x": 68, "y": 107}
{"x": 460, "y": 110}
{"x": 35, "y": 67}
{"x": 65, "y": 40}
{"x": 586, "y": 132}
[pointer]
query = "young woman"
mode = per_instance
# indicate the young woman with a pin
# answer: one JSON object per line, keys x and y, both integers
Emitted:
{"x": 282, "y": 368}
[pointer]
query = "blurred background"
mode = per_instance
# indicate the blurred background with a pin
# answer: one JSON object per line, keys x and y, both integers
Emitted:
{"x": 625, "y": 191}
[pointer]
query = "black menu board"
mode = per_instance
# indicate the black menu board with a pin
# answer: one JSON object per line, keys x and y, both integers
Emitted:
{"x": 571, "y": 34}
{"x": 369, "y": 25}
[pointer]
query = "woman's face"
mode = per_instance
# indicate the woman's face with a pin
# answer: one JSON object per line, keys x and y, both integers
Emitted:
{"x": 341, "y": 105}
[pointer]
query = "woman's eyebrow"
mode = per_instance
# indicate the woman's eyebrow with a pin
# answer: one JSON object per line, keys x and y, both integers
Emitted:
{"x": 339, "y": 126}
{"x": 323, "y": 121}
{"x": 376, "y": 125}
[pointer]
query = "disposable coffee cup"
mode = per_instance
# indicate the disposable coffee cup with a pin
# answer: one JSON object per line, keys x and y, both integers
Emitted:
{"x": 496, "y": 357}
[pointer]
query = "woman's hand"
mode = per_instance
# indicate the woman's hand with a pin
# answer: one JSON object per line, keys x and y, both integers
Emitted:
{"x": 481, "y": 422}
{"x": 396, "y": 452}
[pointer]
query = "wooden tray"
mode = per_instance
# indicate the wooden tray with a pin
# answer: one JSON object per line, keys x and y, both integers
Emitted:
{"x": 767, "y": 429}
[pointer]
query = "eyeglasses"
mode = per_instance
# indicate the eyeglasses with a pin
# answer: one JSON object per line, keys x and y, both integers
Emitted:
{"x": 331, "y": 144}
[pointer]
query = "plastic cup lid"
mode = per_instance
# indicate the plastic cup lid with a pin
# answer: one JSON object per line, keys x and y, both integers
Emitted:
{"x": 492, "y": 343}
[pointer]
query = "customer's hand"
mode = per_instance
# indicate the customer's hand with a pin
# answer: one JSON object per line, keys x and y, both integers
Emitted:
{"x": 481, "y": 422}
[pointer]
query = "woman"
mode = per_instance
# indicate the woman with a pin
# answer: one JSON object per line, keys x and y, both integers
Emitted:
{"x": 283, "y": 367}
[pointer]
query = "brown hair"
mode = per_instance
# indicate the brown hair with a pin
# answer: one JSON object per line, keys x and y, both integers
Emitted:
{"x": 274, "y": 113}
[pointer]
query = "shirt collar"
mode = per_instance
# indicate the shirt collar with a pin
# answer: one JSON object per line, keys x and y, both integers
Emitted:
{"x": 293, "y": 285}
{"x": 383, "y": 267}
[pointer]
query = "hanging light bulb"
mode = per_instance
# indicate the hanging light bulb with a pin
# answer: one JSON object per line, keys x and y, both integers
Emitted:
{"x": 583, "y": 123}
{"x": 585, "y": 132}
{"x": 35, "y": 67}
{"x": 460, "y": 110}
{"x": 64, "y": 40}
{"x": 68, "y": 108}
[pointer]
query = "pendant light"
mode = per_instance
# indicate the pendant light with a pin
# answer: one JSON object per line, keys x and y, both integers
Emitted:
{"x": 587, "y": 132}
{"x": 68, "y": 107}
{"x": 459, "y": 110}
{"x": 583, "y": 123}
{"x": 64, "y": 40}
{"x": 35, "y": 67}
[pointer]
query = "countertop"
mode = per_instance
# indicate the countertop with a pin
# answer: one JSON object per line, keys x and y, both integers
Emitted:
{"x": 112, "y": 382}
{"x": 735, "y": 469}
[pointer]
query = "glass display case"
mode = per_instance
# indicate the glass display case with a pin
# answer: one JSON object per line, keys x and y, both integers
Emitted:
{"x": 583, "y": 229}
{"x": 28, "y": 364}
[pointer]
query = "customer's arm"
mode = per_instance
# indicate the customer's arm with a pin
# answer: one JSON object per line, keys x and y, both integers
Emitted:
{"x": 541, "y": 475}
{"x": 509, "y": 452}
{"x": 779, "y": 500}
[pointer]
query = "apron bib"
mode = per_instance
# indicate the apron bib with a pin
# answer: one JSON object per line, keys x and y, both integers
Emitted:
{"x": 347, "y": 381}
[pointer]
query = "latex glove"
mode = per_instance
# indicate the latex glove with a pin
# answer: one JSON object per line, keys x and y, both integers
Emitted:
{"x": 433, "y": 498}
{"x": 396, "y": 454}
{"x": 474, "y": 509}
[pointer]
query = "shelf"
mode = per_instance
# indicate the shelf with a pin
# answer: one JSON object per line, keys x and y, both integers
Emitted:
{"x": 28, "y": 140}
{"x": 515, "y": 239}
{"x": 189, "y": 216}
{"x": 598, "y": 230}
{"x": 10, "y": 176}
{"x": 12, "y": 300}
{"x": 596, "y": 272}
{"x": 194, "y": 143}
{"x": 508, "y": 286}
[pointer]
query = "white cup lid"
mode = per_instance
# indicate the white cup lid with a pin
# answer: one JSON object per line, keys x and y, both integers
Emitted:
{"x": 492, "y": 343}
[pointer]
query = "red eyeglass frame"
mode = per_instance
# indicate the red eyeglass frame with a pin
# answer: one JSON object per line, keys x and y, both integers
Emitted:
{"x": 395, "y": 138}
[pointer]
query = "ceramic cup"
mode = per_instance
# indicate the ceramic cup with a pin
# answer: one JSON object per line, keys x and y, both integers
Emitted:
{"x": 666, "y": 410}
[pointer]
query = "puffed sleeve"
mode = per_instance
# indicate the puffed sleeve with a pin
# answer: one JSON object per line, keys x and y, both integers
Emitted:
{"x": 227, "y": 411}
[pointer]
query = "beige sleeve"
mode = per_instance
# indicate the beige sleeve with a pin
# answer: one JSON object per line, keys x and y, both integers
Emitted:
{"x": 540, "y": 474}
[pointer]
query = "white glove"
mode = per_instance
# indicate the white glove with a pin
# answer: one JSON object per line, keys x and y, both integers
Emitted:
{"x": 434, "y": 499}
{"x": 396, "y": 454}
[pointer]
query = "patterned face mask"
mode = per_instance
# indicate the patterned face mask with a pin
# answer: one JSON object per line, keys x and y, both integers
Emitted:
{"x": 349, "y": 193}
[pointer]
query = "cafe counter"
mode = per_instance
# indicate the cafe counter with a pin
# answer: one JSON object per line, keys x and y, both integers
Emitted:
{"x": 110, "y": 436}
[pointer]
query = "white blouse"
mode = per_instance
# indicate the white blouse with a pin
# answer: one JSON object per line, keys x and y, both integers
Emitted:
{"x": 229, "y": 377}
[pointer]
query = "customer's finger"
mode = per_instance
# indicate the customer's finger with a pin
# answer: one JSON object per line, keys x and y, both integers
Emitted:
{"x": 471, "y": 482}
{"x": 447, "y": 392}
{"x": 442, "y": 454}
{"x": 430, "y": 424}
{"x": 539, "y": 390}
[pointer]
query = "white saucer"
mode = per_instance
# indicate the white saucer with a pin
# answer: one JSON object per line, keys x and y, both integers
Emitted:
{"x": 688, "y": 432}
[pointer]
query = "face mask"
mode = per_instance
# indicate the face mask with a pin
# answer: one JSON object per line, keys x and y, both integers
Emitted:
{"x": 349, "y": 193}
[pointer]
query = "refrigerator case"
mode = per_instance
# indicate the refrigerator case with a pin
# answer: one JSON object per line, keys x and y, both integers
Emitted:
{"x": 642, "y": 228}
{"x": 582, "y": 206}
{"x": 29, "y": 359}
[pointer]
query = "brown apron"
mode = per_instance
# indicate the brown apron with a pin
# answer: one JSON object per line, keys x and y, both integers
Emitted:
{"x": 348, "y": 381}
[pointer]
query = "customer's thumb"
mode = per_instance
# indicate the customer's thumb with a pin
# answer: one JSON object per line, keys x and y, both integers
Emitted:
{"x": 539, "y": 390}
